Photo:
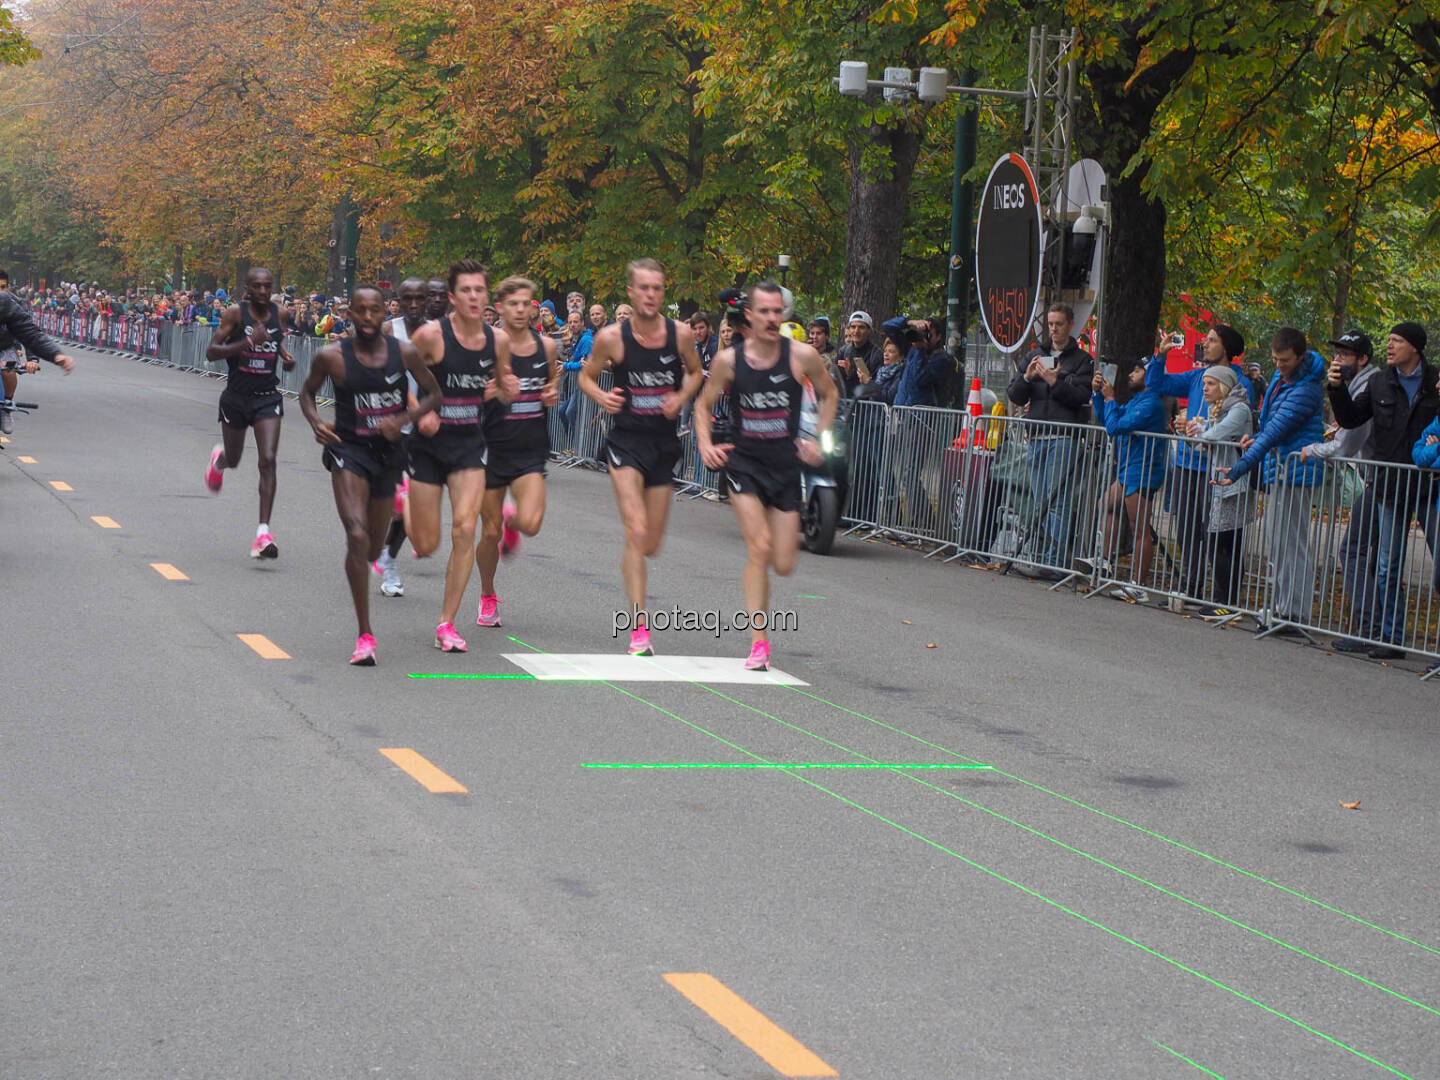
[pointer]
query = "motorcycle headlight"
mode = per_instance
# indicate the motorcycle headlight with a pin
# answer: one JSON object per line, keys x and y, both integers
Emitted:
{"x": 827, "y": 443}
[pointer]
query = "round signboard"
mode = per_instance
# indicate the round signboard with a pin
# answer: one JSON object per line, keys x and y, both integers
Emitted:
{"x": 1007, "y": 252}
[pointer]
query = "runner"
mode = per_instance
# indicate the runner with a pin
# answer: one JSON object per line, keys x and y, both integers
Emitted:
{"x": 645, "y": 354}
{"x": 362, "y": 446}
{"x": 765, "y": 374}
{"x": 519, "y": 438}
{"x": 412, "y": 301}
{"x": 248, "y": 339}
{"x": 437, "y": 298}
{"x": 18, "y": 328}
{"x": 472, "y": 366}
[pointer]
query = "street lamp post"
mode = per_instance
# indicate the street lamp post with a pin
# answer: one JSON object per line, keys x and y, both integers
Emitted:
{"x": 783, "y": 262}
{"x": 933, "y": 87}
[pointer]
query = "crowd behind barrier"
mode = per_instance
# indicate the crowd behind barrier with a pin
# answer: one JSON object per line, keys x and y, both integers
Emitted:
{"x": 1030, "y": 496}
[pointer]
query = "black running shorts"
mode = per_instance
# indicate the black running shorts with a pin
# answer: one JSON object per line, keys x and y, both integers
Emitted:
{"x": 505, "y": 469}
{"x": 776, "y": 488}
{"x": 381, "y": 464}
{"x": 655, "y": 459}
{"x": 431, "y": 462}
{"x": 242, "y": 410}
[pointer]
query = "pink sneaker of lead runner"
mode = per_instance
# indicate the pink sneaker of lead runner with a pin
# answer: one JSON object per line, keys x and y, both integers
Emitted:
{"x": 264, "y": 547}
{"x": 640, "y": 642}
{"x": 364, "y": 654}
{"x": 759, "y": 658}
{"x": 447, "y": 640}
{"x": 489, "y": 611}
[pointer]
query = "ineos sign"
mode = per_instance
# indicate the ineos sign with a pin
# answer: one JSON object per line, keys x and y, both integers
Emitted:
{"x": 1007, "y": 252}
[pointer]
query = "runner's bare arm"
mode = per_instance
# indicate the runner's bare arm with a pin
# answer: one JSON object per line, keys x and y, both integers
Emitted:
{"x": 504, "y": 385}
{"x": 550, "y": 396}
{"x": 722, "y": 374}
{"x": 812, "y": 366}
{"x": 327, "y": 363}
{"x": 215, "y": 352}
{"x": 604, "y": 355}
{"x": 416, "y": 365}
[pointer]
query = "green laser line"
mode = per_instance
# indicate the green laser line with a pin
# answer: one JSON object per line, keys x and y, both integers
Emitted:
{"x": 1002, "y": 878}
{"x": 1092, "y": 858}
{"x": 1187, "y": 1061}
{"x": 766, "y": 765}
{"x": 1132, "y": 825}
{"x": 461, "y": 675}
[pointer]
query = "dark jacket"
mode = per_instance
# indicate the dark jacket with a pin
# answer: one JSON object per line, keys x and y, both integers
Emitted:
{"x": 17, "y": 325}
{"x": 1397, "y": 424}
{"x": 1069, "y": 399}
{"x": 873, "y": 355}
{"x": 925, "y": 377}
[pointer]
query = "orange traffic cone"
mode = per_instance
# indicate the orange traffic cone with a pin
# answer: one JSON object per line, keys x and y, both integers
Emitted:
{"x": 974, "y": 403}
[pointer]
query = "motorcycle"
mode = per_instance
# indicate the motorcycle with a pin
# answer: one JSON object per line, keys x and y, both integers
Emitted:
{"x": 824, "y": 487}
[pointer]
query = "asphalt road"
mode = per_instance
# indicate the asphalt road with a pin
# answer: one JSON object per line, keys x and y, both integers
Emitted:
{"x": 211, "y": 870}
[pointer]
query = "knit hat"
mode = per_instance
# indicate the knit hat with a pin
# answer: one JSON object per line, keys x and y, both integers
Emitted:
{"x": 1224, "y": 374}
{"x": 548, "y": 304}
{"x": 1231, "y": 339}
{"x": 1412, "y": 332}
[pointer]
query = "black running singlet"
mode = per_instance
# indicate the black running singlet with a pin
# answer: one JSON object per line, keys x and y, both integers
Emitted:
{"x": 647, "y": 375}
{"x": 521, "y": 425}
{"x": 254, "y": 370}
{"x": 369, "y": 394}
{"x": 765, "y": 408}
{"x": 463, "y": 375}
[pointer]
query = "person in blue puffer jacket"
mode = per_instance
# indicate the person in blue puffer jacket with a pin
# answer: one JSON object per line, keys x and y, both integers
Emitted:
{"x": 1291, "y": 419}
{"x": 1138, "y": 428}
{"x": 1189, "y": 495}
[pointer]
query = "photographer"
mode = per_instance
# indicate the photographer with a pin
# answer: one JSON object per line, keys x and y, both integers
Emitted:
{"x": 929, "y": 369}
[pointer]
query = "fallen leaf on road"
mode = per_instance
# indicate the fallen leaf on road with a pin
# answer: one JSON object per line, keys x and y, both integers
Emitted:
{"x": 930, "y": 645}
{"x": 1351, "y": 805}
{"x": 904, "y": 622}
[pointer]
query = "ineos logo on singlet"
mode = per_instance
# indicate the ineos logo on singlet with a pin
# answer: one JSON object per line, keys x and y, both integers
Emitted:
{"x": 455, "y": 380}
{"x": 652, "y": 378}
{"x": 766, "y": 399}
{"x": 382, "y": 401}
{"x": 272, "y": 346}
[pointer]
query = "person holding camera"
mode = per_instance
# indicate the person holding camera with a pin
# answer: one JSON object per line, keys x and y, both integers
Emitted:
{"x": 1400, "y": 401}
{"x": 1054, "y": 381}
{"x": 928, "y": 364}
{"x": 1355, "y": 355}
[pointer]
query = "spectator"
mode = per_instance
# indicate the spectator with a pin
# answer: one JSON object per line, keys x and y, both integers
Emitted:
{"x": 1139, "y": 473}
{"x": 1228, "y": 420}
{"x": 1291, "y": 418}
{"x": 1054, "y": 381}
{"x": 1400, "y": 402}
{"x": 490, "y": 315}
{"x": 886, "y": 380}
{"x": 705, "y": 341}
{"x": 1190, "y": 495}
{"x": 623, "y": 313}
{"x": 929, "y": 369}
{"x": 819, "y": 330}
{"x": 549, "y": 324}
{"x": 597, "y": 318}
{"x": 575, "y": 302}
{"x": 1354, "y": 353}
{"x": 860, "y": 358}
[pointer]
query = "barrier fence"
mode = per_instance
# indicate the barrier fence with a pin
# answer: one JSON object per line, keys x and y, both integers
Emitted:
{"x": 1323, "y": 548}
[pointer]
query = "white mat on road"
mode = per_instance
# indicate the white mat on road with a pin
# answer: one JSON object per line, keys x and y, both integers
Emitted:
{"x": 617, "y": 667}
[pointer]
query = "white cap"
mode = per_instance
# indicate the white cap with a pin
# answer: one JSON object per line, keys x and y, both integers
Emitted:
{"x": 863, "y": 317}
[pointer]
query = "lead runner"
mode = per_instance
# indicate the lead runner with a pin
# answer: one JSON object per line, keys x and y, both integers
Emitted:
{"x": 765, "y": 374}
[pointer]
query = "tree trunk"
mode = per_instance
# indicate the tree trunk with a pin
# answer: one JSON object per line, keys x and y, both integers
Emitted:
{"x": 1134, "y": 274}
{"x": 242, "y": 271}
{"x": 875, "y": 223}
{"x": 389, "y": 259}
{"x": 343, "y": 230}
{"x": 177, "y": 269}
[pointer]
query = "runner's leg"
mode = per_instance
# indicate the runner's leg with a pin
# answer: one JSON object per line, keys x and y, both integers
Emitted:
{"x": 467, "y": 491}
{"x": 755, "y": 579}
{"x": 487, "y": 549}
{"x": 234, "y": 439}
{"x": 267, "y": 441}
{"x": 528, "y": 492}
{"x": 630, "y": 498}
{"x": 422, "y": 513}
{"x": 352, "y": 500}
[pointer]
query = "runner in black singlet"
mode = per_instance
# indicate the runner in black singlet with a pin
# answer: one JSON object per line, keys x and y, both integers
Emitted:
{"x": 472, "y": 367}
{"x": 437, "y": 298}
{"x": 362, "y": 446}
{"x": 412, "y": 316}
{"x": 645, "y": 354}
{"x": 249, "y": 340}
{"x": 519, "y": 438}
{"x": 765, "y": 374}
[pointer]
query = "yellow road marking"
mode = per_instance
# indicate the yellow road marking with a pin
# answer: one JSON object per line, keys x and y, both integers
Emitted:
{"x": 27, "y": 460}
{"x": 429, "y": 777}
{"x": 105, "y": 522}
{"x": 753, "y": 1028}
{"x": 60, "y": 485}
{"x": 267, "y": 649}
{"x": 168, "y": 572}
